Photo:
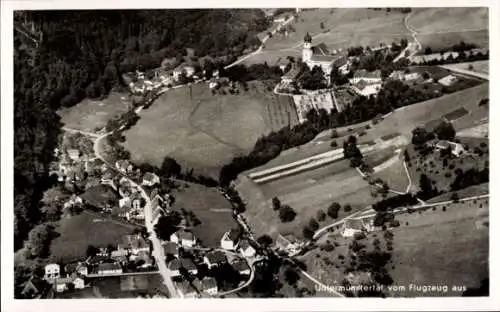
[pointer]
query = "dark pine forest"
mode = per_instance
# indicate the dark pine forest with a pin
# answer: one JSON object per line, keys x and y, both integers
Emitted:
{"x": 83, "y": 54}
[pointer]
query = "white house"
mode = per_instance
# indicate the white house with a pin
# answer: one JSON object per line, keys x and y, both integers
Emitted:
{"x": 189, "y": 70}
{"x": 74, "y": 154}
{"x": 456, "y": 148}
{"x": 79, "y": 283}
{"x": 214, "y": 258}
{"x": 124, "y": 166}
{"x": 369, "y": 77}
{"x": 124, "y": 202}
{"x": 352, "y": 226}
{"x": 246, "y": 249}
{"x": 448, "y": 80}
{"x": 230, "y": 239}
{"x": 52, "y": 271}
{"x": 150, "y": 179}
{"x": 184, "y": 238}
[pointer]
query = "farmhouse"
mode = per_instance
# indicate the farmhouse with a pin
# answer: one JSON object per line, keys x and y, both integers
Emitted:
{"x": 352, "y": 227}
{"x": 448, "y": 80}
{"x": 52, "y": 271}
{"x": 183, "y": 237}
{"x": 136, "y": 243}
{"x": 214, "y": 258}
{"x": 241, "y": 266}
{"x": 246, "y": 249}
{"x": 150, "y": 179}
{"x": 369, "y": 77}
{"x": 171, "y": 248}
{"x": 325, "y": 62}
{"x": 109, "y": 268}
{"x": 456, "y": 148}
{"x": 230, "y": 239}
{"x": 186, "y": 263}
{"x": 79, "y": 268}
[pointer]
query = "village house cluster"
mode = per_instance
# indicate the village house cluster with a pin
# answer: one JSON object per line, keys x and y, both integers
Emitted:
{"x": 131, "y": 256}
{"x": 184, "y": 258}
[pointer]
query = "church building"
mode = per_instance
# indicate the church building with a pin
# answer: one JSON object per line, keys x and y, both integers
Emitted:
{"x": 326, "y": 62}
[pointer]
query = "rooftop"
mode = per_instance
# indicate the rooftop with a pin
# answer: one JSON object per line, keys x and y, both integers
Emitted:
{"x": 240, "y": 265}
{"x": 108, "y": 266}
{"x": 355, "y": 224}
{"x": 216, "y": 256}
{"x": 366, "y": 74}
{"x": 208, "y": 283}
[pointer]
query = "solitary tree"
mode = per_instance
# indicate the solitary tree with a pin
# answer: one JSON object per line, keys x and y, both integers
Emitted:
{"x": 287, "y": 214}
{"x": 276, "y": 203}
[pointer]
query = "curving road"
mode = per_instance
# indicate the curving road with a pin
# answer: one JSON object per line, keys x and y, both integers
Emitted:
{"x": 259, "y": 50}
{"x": 417, "y": 44}
{"x": 158, "y": 252}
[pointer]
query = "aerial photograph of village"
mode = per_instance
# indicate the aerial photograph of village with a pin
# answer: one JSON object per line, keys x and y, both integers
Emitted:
{"x": 251, "y": 153}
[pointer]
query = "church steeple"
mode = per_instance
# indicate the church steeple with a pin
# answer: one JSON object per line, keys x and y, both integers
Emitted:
{"x": 308, "y": 38}
{"x": 307, "y": 50}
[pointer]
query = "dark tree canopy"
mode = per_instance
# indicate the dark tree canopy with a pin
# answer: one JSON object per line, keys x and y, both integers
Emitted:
{"x": 287, "y": 214}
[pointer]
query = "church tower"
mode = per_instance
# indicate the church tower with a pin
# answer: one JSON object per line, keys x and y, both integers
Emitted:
{"x": 307, "y": 50}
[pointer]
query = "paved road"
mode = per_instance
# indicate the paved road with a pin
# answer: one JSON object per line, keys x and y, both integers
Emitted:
{"x": 158, "y": 252}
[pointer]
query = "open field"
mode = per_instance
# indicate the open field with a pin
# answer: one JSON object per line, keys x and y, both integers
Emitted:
{"x": 444, "y": 41}
{"x": 77, "y": 232}
{"x": 327, "y": 266}
{"x": 205, "y": 131}
{"x": 481, "y": 67}
{"x": 441, "y": 28}
{"x": 307, "y": 193}
{"x": 394, "y": 175}
{"x": 405, "y": 119}
{"x": 348, "y": 27}
{"x": 474, "y": 190}
{"x": 211, "y": 208}
{"x": 90, "y": 114}
{"x": 429, "y": 20}
{"x": 442, "y": 248}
